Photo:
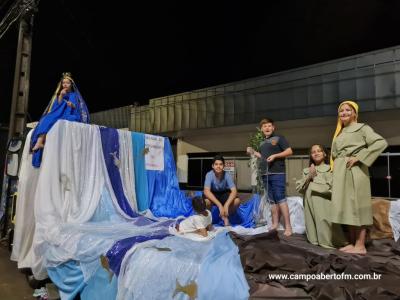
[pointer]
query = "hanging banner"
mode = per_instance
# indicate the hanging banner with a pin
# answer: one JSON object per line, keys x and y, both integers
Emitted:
{"x": 154, "y": 152}
{"x": 230, "y": 168}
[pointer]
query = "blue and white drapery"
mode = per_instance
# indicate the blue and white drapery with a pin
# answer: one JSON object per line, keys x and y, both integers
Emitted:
{"x": 86, "y": 199}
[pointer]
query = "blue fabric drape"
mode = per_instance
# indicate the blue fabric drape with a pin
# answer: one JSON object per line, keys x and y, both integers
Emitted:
{"x": 117, "y": 253}
{"x": 166, "y": 198}
{"x": 99, "y": 287}
{"x": 244, "y": 215}
{"x": 214, "y": 265}
{"x": 105, "y": 210}
{"x": 110, "y": 144}
{"x": 213, "y": 281}
{"x": 68, "y": 277}
{"x": 58, "y": 111}
{"x": 142, "y": 194}
{"x": 159, "y": 191}
{"x": 37, "y": 157}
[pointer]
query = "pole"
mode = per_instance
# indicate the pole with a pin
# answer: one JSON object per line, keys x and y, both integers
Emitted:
{"x": 19, "y": 104}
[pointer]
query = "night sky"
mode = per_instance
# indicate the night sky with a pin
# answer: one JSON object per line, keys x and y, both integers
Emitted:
{"x": 120, "y": 54}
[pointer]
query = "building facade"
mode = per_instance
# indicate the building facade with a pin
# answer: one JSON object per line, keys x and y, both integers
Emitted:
{"x": 303, "y": 102}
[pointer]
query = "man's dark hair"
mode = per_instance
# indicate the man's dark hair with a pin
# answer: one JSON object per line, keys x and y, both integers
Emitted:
{"x": 218, "y": 157}
{"x": 199, "y": 204}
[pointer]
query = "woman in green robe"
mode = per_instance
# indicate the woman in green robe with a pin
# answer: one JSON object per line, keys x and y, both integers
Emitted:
{"x": 316, "y": 188}
{"x": 355, "y": 147}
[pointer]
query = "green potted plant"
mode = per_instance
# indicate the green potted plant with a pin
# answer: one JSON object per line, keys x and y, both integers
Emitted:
{"x": 254, "y": 142}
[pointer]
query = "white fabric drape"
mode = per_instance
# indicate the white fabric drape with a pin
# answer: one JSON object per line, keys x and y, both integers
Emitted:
{"x": 180, "y": 260}
{"x": 296, "y": 212}
{"x": 72, "y": 181}
{"x": 66, "y": 190}
{"x": 24, "y": 216}
{"x": 127, "y": 169}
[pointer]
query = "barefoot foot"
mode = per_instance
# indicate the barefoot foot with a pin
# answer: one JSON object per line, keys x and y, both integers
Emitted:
{"x": 38, "y": 146}
{"x": 288, "y": 232}
{"x": 226, "y": 222}
{"x": 347, "y": 248}
{"x": 358, "y": 251}
{"x": 273, "y": 227}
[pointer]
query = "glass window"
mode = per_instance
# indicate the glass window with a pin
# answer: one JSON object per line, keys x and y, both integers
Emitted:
{"x": 379, "y": 183}
{"x": 395, "y": 176}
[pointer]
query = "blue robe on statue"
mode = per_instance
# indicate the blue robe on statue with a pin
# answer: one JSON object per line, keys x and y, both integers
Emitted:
{"x": 58, "y": 110}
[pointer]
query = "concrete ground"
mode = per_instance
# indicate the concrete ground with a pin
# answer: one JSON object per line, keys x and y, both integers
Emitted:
{"x": 13, "y": 284}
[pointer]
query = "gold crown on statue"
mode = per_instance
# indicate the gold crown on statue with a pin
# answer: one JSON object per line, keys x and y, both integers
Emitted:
{"x": 66, "y": 75}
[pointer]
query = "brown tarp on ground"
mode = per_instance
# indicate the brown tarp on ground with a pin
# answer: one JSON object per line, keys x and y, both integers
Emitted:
{"x": 271, "y": 253}
{"x": 381, "y": 228}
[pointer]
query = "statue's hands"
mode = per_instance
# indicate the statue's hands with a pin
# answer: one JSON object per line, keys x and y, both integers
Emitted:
{"x": 63, "y": 92}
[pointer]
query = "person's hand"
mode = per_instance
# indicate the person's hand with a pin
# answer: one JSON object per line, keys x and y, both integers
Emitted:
{"x": 69, "y": 103}
{"x": 271, "y": 158}
{"x": 221, "y": 211}
{"x": 226, "y": 210}
{"x": 313, "y": 172}
{"x": 63, "y": 92}
{"x": 250, "y": 150}
{"x": 351, "y": 162}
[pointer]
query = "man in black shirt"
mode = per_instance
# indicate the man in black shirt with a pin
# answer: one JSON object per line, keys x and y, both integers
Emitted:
{"x": 272, "y": 153}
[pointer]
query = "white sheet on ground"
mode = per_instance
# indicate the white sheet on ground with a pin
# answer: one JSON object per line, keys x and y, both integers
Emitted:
{"x": 394, "y": 218}
{"x": 151, "y": 270}
{"x": 86, "y": 242}
{"x": 137, "y": 278}
{"x": 296, "y": 211}
{"x": 249, "y": 231}
{"x": 194, "y": 236}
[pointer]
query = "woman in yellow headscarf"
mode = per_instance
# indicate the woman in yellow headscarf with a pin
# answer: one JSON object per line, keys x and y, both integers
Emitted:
{"x": 355, "y": 147}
